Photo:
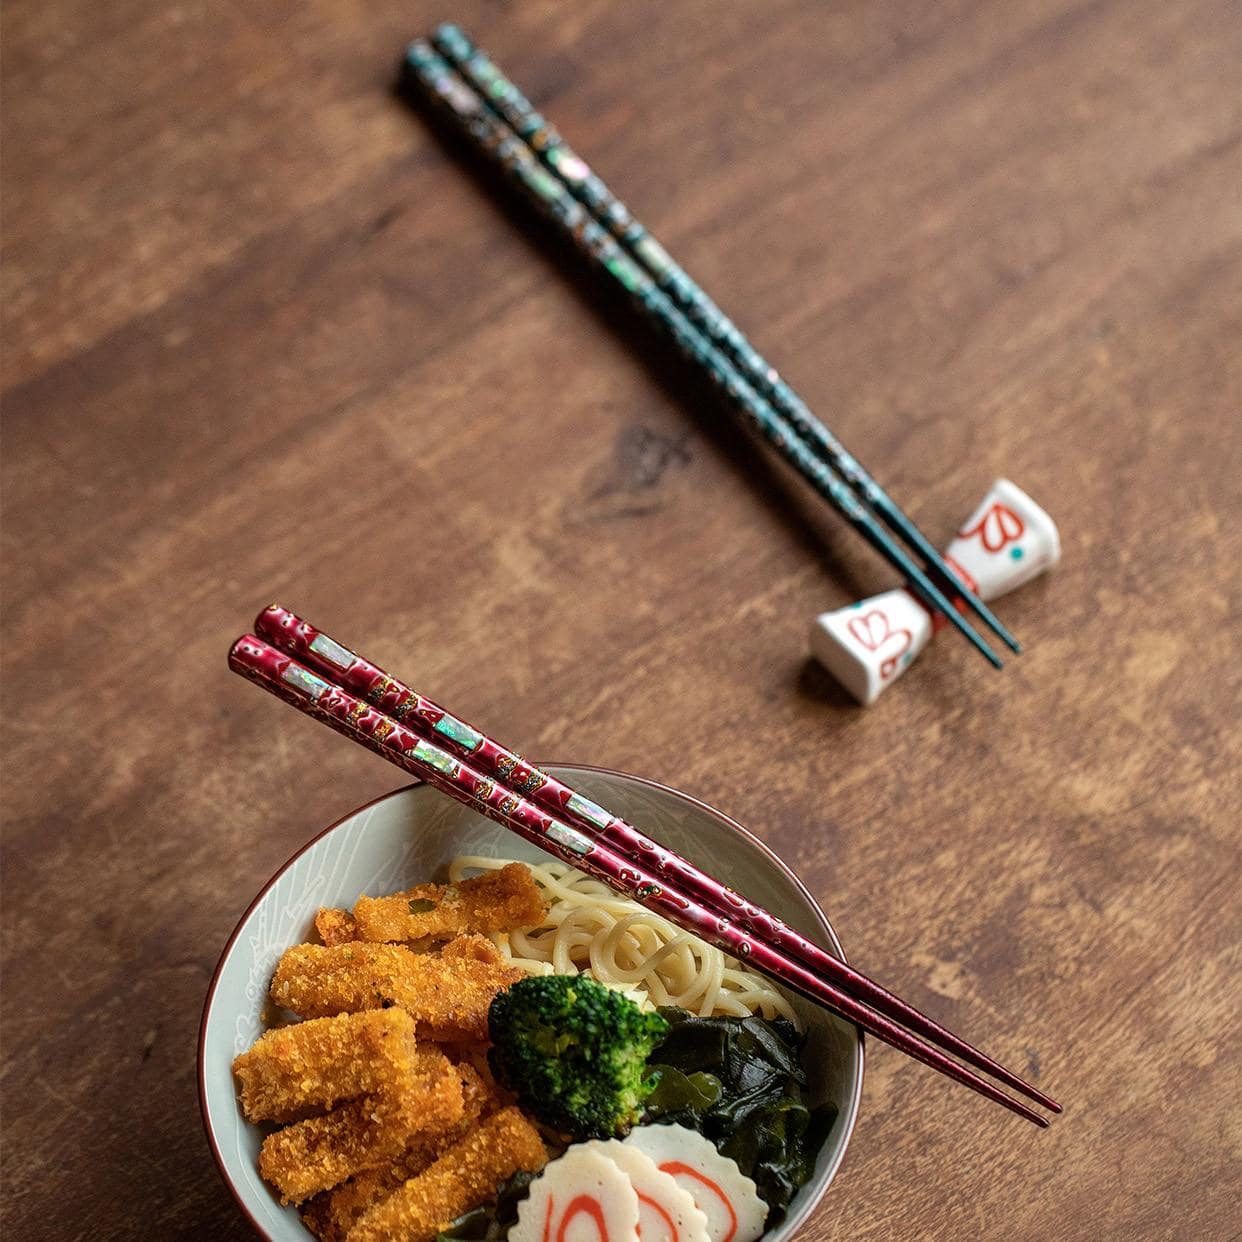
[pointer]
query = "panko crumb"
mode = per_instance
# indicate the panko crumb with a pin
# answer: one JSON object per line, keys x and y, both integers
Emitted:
{"x": 309, "y": 1066}
{"x": 448, "y": 999}
{"x": 497, "y": 901}
{"x": 463, "y": 1178}
{"x": 330, "y": 1216}
{"x": 321, "y": 1152}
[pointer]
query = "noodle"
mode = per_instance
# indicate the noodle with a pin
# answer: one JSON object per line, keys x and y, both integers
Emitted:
{"x": 589, "y": 928}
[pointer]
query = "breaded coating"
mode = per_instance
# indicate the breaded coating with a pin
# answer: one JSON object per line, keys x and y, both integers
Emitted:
{"x": 332, "y": 1215}
{"x": 473, "y": 1053}
{"x": 496, "y": 901}
{"x": 428, "y": 889}
{"x": 317, "y": 1217}
{"x": 447, "y": 999}
{"x": 464, "y": 1177}
{"x": 473, "y": 945}
{"x": 438, "y": 1095}
{"x": 309, "y": 1066}
{"x": 315, "y": 1154}
{"x": 320, "y": 1152}
{"x": 336, "y": 926}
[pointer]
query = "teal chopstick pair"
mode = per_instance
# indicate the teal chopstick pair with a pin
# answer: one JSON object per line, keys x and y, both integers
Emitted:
{"x": 501, "y": 123}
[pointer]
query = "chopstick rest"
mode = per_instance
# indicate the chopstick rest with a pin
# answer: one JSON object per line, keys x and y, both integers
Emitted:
{"x": 1006, "y": 541}
{"x": 502, "y": 97}
{"x": 473, "y": 113}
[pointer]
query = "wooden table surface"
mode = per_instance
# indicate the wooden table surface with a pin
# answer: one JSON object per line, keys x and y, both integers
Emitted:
{"x": 267, "y": 339}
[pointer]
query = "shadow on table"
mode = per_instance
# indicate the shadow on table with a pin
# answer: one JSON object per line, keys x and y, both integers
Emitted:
{"x": 804, "y": 514}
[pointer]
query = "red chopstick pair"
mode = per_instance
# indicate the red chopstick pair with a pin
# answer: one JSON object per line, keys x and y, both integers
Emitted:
{"x": 325, "y": 679}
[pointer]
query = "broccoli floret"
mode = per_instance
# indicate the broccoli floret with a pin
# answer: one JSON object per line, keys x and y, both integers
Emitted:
{"x": 574, "y": 1053}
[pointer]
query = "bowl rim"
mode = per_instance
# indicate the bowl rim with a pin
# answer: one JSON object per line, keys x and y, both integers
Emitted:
{"x": 791, "y": 1223}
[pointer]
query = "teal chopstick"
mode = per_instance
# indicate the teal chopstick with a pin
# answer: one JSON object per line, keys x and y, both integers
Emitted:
{"x": 432, "y": 76}
{"x": 511, "y": 106}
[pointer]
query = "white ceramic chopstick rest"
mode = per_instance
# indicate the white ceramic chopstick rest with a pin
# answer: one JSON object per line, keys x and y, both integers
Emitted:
{"x": 1006, "y": 541}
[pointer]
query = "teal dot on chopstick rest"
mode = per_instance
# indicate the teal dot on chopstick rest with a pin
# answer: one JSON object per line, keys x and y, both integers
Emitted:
{"x": 1016, "y": 553}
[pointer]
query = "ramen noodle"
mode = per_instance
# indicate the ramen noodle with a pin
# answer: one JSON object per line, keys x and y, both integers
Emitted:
{"x": 589, "y": 928}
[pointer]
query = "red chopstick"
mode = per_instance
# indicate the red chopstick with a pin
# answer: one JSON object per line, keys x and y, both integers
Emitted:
{"x": 359, "y": 676}
{"x": 300, "y": 686}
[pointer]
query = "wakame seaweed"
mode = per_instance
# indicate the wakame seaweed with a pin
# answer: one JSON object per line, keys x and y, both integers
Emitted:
{"x": 739, "y": 1082}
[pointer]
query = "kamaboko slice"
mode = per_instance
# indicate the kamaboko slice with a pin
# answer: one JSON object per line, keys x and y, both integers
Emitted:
{"x": 666, "y": 1212}
{"x": 720, "y": 1190}
{"x": 582, "y": 1197}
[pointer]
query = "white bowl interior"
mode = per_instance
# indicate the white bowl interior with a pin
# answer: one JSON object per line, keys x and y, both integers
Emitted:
{"x": 411, "y": 835}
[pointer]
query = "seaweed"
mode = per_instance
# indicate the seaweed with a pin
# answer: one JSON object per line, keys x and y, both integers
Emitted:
{"x": 739, "y": 1082}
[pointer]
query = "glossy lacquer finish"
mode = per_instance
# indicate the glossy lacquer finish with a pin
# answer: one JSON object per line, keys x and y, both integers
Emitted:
{"x": 366, "y": 724}
{"x": 598, "y": 826}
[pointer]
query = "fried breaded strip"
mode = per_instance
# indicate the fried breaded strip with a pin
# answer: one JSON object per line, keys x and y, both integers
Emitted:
{"x": 318, "y": 1217}
{"x": 320, "y": 1152}
{"x": 312, "y": 1155}
{"x": 464, "y": 1177}
{"x": 447, "y": 999}
{"x": 496, "y": 901}
{"x": 335, "y": 926}
{"x": 473, "y": 945}
{"x": 312, "y": 1065}
{"x": 330, "y": 1216}
{"x": 338, "y": 927}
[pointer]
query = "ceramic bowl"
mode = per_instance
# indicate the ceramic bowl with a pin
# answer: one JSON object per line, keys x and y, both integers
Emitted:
{"x": 406, "y": 837}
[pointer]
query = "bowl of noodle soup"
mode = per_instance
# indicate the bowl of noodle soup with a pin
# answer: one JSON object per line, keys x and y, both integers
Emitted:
{"x": 416, "y": 834}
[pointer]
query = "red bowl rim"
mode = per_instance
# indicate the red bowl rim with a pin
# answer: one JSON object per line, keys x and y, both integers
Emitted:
{"x": 743, "y": 831}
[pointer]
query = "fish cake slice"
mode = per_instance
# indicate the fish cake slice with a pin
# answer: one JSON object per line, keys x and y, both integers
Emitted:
{"x": 497, "y": 901}
{"x": 582, "y": 1197}
{"x": 321, "y": 1152}
{"x": 730, "y": 1202}
{"x": 464, "y": 1177}
{"x": 313, "y": 1065}
{"x": 448, "y": 1000}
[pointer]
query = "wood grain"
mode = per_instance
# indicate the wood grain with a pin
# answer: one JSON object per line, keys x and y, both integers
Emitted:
{"x": 981, "y": 239}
